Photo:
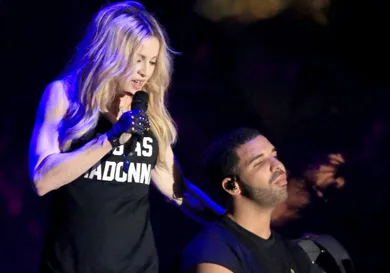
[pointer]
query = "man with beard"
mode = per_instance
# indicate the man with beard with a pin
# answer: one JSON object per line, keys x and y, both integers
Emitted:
{"x": 243, "y": 164}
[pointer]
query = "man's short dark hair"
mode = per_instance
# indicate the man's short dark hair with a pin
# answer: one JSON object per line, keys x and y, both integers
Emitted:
{"x": 221, "y": 158}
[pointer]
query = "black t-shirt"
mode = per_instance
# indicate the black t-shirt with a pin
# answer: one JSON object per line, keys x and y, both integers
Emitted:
{"x": 100, "y": 221}
{"x": 228, "y": 244}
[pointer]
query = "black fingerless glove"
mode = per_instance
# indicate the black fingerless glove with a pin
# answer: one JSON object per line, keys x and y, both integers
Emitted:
{"x": 134, "y": 122}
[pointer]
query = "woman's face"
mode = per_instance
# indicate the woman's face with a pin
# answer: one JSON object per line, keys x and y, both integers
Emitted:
{"x": 144, "y": 64}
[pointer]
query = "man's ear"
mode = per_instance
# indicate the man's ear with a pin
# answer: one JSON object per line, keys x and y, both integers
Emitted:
{"x": 230, "y": 185}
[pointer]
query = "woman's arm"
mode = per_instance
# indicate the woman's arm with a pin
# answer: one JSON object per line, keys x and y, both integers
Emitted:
{"x": 170, "y": 181}
{"x": 49, "y": 167}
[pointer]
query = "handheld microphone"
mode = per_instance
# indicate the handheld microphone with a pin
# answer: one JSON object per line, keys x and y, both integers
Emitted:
{"x": 140, "y": 102}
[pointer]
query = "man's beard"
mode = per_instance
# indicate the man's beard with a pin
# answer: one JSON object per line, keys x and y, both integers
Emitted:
{"x": 264, "y": 197}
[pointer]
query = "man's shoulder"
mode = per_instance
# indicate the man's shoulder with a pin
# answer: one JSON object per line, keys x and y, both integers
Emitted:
{"x": 214, "y": 232}
{"x": 214, "y": 244}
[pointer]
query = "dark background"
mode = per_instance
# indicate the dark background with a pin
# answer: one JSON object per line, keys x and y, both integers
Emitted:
{"x": 313, "y": 89}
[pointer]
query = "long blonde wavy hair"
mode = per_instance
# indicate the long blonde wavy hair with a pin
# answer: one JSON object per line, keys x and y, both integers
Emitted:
{"x": 105, "y": 56}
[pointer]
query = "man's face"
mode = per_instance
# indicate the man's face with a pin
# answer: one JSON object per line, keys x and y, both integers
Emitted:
{"x": 262, "y": 176}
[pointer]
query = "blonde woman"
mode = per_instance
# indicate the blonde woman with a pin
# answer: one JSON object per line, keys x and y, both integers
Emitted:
{"x": 100, "y": 219}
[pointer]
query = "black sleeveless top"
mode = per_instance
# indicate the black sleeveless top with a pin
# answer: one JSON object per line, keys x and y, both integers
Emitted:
{"x": 100, "y": 221}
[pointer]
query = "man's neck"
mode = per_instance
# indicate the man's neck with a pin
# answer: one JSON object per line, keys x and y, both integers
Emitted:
{"x": 251, "y": 217}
